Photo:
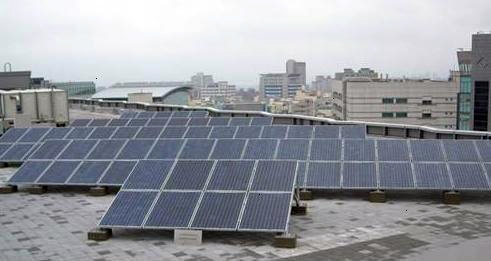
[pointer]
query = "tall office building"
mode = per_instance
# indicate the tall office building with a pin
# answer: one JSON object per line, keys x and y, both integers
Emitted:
{"x": 465, "y": 87}
{"x": 283, "y": 85}
{"x": 481, "y": 77}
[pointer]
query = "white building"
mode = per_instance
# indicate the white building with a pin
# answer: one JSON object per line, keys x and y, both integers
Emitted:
{"x": 283, "y": 85}
{"x": 218, "y": 89}
{"x": 417, "y": 102}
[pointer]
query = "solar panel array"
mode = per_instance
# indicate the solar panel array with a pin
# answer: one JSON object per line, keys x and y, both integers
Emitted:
{"x": 173, "y": 121}
{"x": 162, "y": 114}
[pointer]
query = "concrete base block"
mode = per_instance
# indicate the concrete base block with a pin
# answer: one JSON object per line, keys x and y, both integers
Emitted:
{"x": 285, "y": 241}
{"x": 305, "y": 195}
{"x": 5, "y": 189}
{"x": 100, "y": 234}
{"x": 300, "y": 210}
{"x": 37, "y": 189}
{"x": 98, "y": 191}
{"x": 377, "y": 196}
{"x": 451, "y": 197}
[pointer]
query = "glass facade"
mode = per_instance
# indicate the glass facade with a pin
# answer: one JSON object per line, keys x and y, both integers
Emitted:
{"x": 76, "y": 88}
{"x": 465, "y": 108}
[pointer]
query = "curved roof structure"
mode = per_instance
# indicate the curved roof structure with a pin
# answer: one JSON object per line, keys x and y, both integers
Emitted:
{"x": 122, "y": 93}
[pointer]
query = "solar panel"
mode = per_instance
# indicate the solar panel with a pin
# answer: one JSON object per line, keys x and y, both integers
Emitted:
{"x": 240, "y": 121}
{"x": 138, "y": 122}
{"x": 184, "y": 114}
{"x": 426, "y": 150}
{"x": 198, "y": 114}
{"x": 146, "y": 114}
{"x": 197, "y": 149}
{"x": 266, "y": 212}
{"x": 223, "y": 132}
{"x": 129, "y": 114}
{"x": 158, "y": 122}
{"x": 359, "y": 175}
{"x": 392, "y": 150}
{"x": 359, "y": 150}
{"x": 484, "y": 147}
{"x": 274, "y": 176}
{"x": 16, "y": 152}
{"x": 136, "y": 149}
{"x": 198, "y": 121}
{"x": 78, "y": 149}
{"x": 56, "y": 133}
{"x": 177, "y": 122}
{"x": 301, "y": 173}
{"x": 462, "y": 150}
{"x": 324, "y": 175}
{"x": 353, "y": 131}
{"x": 99, "y": 122}
{"x": 228, "y": 149}
{"x": 219, "y": 211}
{"x": 58, "y": 172}
{"x": 29, "y": 172}
{"x": 198, "y": 132}
{"x": 102, "y": 133}
{"x": 396, "y": 175}
{"x": 432, "y": 176}
{"x": 166, "y": 149}
{"x": 163, "y": 114}
{"x": 149, "y": 133}
{"x": 128, "y": 209}
{"x": 326, "y": 132}
{"x": 125, "y": 132}
{"x": 300, "y": 132}
{"x": 260, "y": 149}
{"x": 219, "y": 121}
{"x": 293, "y": 149}
{"x": 89, "y": 172}
{"x": 34, "y": 135}
{"x": 4, "y": 148}
{"x": 231, "y": 175}
{"x": 12, "y": 135}
{"x": 173, "y": 132}
{"x": 148, "y": 174}
{"x": 80, "y": 122}
{"x": 50, "y": 149}
{"x": 106, "y": 149}
{"x": 248, "y": 132}
{"x": 167, "y": 214}
{"x": 118, "y": 122}
{"x": 79, "y": 133}
{"x": 274, "y": 132}
{"x": 322, "y": 149}
{"x": 468, "y": 176}
{"x": 117, "y": 173}
{"x": 261, "y": 121}
{"x": 189, "y": 175}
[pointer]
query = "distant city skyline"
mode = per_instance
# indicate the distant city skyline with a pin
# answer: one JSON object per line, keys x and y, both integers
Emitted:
{"x": 108, "y": 42}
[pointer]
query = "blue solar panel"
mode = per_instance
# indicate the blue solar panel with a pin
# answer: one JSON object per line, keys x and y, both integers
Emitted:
{"x": 266, "y": 211}
{"x": 79, "y": 133}
{"x": 128, "y": 114}
{"x": 293, "y": 149}
{"x": 4, "y": 148}
{"x": 163, "y": 114}
{"x": 106, "y": 149}
{"x": 125, "y": 132}
{"x": 199, "y": 114}
{"x": 261, "y": 121}
{"x": 29, "y": 172}
{"x": 148, "y": 174}
{"x": 56, "y": 133}
{"x": 301, "y": 173}
{"x": 198, "y": 121}
{"x": 146, "y": 114}
{"x": 432, "y": 176}
{"x": 219, "y": 211}
{"x": 166, "y": 149}
{"x": 12, "y": 135}
{"x": 231, "y": 175}
{"x": 359, "y": 150}
{"x": 197, "y": 149}
{"x": 274, "y": 176}
{"x": 136, "y": 149}
{"x": 274, "y": 132}
{"x": 260, "y": 149}
{"x": 177, "y": 122}
{"x": 34, "y": 135}
{"x": 102, "y": 133}
{"x": 223, "y": 132}
{"x": 198, "y": 132}
{"x": 17, "y": 152}
{"x": 462, "y": 150}
{"x": 326, "y": 132}
{"x": 392, "y": 150}
{"x": 158, "y": 122}
{"x": 58, "y": 172}
{"x": 149, "y": 133}
{"x": 300, "y": 132}
{"x": 228, "y": 149}
{"x": 80, "y": 122}
{"x": 77, "y": 149}
{"x": 89, "y": 172}
{"x": 173, "y": 132}
{"x": 324, "y": 175}
{"x": 118, "y": 122}
{"x": 117, "y": 172}
{"x": 166, "y": 213}
{"x": 359, "y": 175}
{"x": 138, "y": 122}
{"x": 248, "y": 132}
{"x": 240, "y": 121}
{"x": 190, "y": 175}
{"x": 484, "y": 147}
{"x": 184, "y": 114}
{"x": 396, "y": 175}
{"x": 353, "y": 131}
{"x": 322, "y": 149}
{"x": 50, "y": 149}
{"x": 426, "y": 150}
{"x": 128, "y": 209}
{"x": 99, "y": 122}
{"x": 219, "y": 121}
{"x": 468, "y": 176}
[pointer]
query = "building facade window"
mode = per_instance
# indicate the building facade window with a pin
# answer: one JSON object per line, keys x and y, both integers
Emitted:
{"x": 401, "y": 114}
{"x": 387, "y": 115}
{"x": 426, "y": 115}
{"x": 426, "y": 102}
{"x": 387, "y": 100}
{"x": 401, "y": 100}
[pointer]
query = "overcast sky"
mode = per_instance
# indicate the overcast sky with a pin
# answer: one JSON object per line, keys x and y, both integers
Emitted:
{"x": 116, "y": 41}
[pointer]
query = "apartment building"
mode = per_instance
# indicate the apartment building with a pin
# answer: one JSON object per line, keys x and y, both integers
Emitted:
{"x": 283, "y": 85}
